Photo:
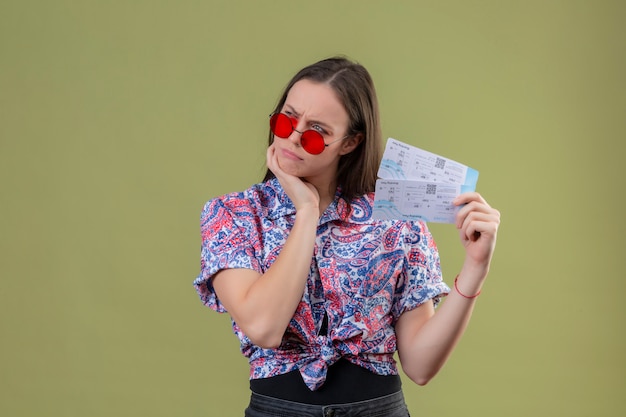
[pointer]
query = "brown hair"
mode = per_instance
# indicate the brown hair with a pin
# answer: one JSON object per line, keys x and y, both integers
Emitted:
{"x": 354, "y": 87}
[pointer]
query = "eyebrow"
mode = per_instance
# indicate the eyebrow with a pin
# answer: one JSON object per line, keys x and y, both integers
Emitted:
{"x": 311, "y": 121}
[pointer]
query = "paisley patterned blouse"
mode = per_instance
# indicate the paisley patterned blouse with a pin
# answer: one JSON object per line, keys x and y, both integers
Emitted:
{"x": 364, "y": 274}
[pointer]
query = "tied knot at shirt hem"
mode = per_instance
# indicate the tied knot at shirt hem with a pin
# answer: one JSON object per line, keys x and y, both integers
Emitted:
{"x": 323, "y": 352}
{"x": 319, "y": 356}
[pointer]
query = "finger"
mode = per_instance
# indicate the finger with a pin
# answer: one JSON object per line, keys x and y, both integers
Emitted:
{"x": 481, "y": 214}
{"x": 477, "y": 224}
{"x": 473, "y": 207}
{"x": 468, "y": 197}
{"x": 268, "y": 155}
{"x": 272, "y": 161}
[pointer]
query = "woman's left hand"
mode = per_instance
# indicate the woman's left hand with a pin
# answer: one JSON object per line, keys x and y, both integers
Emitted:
{"x": 478, "y": 225}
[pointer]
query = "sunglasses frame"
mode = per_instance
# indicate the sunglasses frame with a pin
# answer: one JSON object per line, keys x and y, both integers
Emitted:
{"x": 310, "y": 139}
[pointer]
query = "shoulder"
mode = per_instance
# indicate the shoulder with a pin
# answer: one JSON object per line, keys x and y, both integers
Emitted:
{"x": 255, "y": 198}
{"x": 259, "y": 200}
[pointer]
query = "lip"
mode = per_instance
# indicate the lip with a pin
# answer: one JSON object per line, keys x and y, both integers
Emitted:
{"x": 290, "y": 155}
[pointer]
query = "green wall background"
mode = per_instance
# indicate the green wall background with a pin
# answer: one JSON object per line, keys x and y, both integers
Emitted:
{"x": 119, "y": 119}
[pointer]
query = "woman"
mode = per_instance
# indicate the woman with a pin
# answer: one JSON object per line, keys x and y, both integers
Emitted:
{"x": 322, "y": 295}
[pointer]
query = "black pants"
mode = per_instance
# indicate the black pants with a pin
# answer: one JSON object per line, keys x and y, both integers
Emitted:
{"x": 392, "y": 405}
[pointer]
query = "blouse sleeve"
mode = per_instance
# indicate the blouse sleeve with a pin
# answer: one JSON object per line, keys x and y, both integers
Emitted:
{"x": 421, "y": 278}
{"x": 225, "y": 244}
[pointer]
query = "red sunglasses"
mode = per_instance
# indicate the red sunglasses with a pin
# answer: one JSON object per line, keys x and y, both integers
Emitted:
{"x": 311, "y": 140}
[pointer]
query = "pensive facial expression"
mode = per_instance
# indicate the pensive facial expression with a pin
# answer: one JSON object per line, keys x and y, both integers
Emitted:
{"x": 313, "y": 106}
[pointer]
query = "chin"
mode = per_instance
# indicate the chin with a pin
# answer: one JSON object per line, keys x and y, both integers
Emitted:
{"x": 290, "y": 167}
{"x": 295, "y": 172}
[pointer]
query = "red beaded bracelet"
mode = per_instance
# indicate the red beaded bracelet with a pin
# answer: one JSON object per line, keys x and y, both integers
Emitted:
{"x": 469, "y": 297}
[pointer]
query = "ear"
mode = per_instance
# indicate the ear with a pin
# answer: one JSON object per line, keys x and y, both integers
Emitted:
{"x": 350, "y": 143}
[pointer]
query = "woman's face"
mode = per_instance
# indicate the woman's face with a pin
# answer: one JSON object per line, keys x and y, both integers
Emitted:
{"x": 314, "y": 106}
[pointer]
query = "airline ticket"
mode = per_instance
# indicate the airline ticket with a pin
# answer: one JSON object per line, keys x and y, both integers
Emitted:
{"x": 416, "y": 184}
{"x": 402, "y": 161}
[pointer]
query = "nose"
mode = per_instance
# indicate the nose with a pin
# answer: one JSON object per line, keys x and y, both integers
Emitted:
{"x": 296, "y": 135}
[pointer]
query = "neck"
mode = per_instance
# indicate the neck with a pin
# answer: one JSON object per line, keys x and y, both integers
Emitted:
{"x": 327, "y": 195}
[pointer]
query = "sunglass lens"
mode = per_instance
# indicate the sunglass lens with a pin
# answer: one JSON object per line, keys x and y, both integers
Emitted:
{"x": 281, "y": 125}
{"x": 312, "y": 142}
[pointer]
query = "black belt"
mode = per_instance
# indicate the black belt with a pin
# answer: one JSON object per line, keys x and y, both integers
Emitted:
{"x": 345, "y": 383}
